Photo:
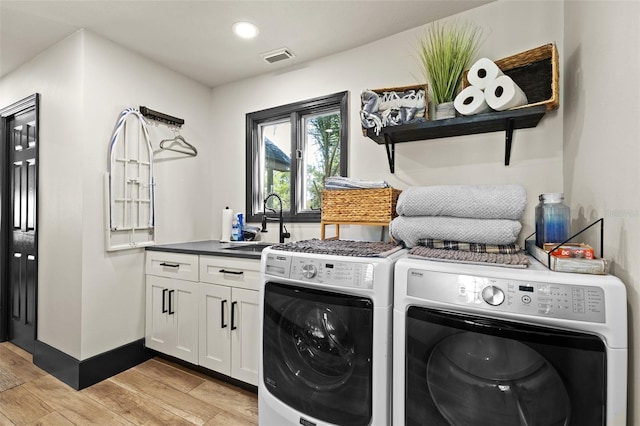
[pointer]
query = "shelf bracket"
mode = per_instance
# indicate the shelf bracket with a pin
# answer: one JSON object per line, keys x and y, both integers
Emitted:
{"x": 390, "y": 145}
{"x": 508, "y": 139}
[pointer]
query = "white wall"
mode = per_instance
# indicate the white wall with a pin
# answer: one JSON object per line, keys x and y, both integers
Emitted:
{"x": 602, "y": 142}
{"x": 113, "y": 283}
{"x": 91, "y": 301}
{"x": 536, "y": 160}
{"x": 57, "y": 74}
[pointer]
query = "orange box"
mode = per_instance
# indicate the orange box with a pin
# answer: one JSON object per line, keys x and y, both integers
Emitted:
{"x": 571, "y": 250}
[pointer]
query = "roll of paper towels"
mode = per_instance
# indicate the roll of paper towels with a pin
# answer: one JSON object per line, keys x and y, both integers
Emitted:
{"x": 483, "y": 72}
{"x": 227, "y": 221}
{"x": 502, "y": 94}
{"x": 470, "y": 101}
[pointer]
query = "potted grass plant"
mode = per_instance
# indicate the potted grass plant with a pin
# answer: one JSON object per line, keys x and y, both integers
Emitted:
{"x": 445, "y": 52}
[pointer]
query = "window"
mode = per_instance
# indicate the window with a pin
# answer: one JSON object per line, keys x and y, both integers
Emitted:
{"x": 290, "y": 151}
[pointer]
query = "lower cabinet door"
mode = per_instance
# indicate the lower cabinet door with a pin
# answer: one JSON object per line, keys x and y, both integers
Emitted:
{"x": 183, "y": 304}
{"x": 159, "y": 327}
{"x": 215, "y": 327}
{"x": 171, "y": 325}
{"x": 245, "y": 338}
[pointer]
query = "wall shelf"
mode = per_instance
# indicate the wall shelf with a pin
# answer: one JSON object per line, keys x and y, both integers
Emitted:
{"x": 482, "y": 123}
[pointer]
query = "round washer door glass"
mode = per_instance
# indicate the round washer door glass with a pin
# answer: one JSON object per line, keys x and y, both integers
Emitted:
{"x": 317, "y": 351}
{"x": 317, "y": 345}
{"x": 481, "y": 379}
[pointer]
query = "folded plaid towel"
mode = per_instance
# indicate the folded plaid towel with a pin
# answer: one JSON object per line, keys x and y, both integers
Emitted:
{"x": 474, "y": 247}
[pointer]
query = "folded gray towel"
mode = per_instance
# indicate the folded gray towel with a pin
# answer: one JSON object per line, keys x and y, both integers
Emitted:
{"x": 343, "y": 182}
{"x": 411, "y": 230}
{"x": 470, "y": 201}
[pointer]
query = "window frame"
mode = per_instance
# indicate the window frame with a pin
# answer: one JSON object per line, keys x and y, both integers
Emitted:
{"x": 295, "y": 112}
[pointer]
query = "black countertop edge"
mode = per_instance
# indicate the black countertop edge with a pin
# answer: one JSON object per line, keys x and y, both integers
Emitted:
{"x": 208, "y": 248}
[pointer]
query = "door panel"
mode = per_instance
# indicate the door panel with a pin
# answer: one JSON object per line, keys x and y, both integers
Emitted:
{"x": 184, "y": 305}
{"x": 21, "y": 239}
{"x": 245, "y": 338}
{"x": 214, "y": 347}
{"x": 159, "y": 326}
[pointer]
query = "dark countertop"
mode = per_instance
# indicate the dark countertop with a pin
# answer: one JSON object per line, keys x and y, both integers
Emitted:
{"x": 210, "y": 248}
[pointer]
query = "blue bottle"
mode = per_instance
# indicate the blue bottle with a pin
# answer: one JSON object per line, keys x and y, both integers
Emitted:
{"x": 552, "y": 219}
{"x": 237, "y": 229}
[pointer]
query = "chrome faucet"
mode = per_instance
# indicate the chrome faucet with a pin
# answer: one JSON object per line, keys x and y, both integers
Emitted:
{"x": 282, "y": 232}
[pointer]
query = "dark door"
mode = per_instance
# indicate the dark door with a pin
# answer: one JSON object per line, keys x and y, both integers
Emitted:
{"x": 19, "y": 200}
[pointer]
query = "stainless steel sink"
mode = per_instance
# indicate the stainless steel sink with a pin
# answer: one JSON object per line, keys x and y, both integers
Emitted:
{"x": 254, "y": 247}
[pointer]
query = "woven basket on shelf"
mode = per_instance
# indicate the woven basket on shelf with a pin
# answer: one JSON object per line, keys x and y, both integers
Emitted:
{"x": 359, "y": 205}
{"x": 536, "y": 72}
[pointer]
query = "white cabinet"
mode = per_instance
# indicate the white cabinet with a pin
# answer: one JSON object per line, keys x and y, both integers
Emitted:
{"x": 171, "y": 324}
{"x": 229, "y": 318}
{"x": 204, "y": 310}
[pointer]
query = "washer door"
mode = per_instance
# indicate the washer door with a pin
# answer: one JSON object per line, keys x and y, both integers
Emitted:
{"x": 479, "y": 379}
{"x": 466, "y": 370}
{"x": 317, "y": 352}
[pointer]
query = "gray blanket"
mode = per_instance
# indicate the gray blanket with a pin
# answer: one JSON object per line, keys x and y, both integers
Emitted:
{"x": 411, "y": 230}
{"x": 391, "y": 108}
{"x": 469, "y": 201}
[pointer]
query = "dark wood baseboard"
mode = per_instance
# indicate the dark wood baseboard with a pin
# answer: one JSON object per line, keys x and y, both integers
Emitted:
{"x": 82, "y": 374}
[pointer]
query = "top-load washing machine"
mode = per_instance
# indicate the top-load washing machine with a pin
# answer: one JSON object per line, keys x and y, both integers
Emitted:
{"x": 486, "y": 345}
{"x": 326, "y": 335}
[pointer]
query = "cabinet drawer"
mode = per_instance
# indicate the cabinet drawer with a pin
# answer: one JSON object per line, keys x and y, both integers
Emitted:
{"x": 172, "y": 265}
{"x": 229, "y": 271}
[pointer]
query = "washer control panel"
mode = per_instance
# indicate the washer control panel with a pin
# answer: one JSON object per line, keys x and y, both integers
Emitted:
{"x": 566, "y": 301}
{"x": 338, "y": 273}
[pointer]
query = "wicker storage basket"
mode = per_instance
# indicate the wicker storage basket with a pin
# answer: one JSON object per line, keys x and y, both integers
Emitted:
{"x": 536, "y": 72}
{"x": 359, "y": 205}
{"x": 404, "y": 89}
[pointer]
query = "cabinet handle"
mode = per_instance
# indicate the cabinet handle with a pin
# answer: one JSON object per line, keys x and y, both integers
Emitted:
{"x": 224, "y": 302}
{"x": 170, "y": 265}
{"x": 171, "y": 311}
{"x": 224, "y": 271}
{"x": 164, "y": 296}
{"x": 233, "y": 321}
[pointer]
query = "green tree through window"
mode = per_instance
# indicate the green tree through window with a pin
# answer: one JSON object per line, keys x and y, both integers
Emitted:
{"x": 324, "y": 134}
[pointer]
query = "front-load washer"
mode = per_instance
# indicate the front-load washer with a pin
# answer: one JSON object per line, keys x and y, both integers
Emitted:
{"x": 325, "y": 338}
{"x": 486, "y": 345}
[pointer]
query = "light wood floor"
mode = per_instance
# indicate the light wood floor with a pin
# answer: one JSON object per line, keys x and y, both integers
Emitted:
{"x": 156, "y": 392}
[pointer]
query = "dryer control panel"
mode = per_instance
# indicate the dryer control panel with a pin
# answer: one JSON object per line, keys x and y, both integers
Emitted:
{"x": 573, "y": 302}
{"x": 321, "y": 271}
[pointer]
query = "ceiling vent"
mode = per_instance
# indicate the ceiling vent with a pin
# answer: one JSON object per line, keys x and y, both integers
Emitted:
{"x": 278, "y": 55}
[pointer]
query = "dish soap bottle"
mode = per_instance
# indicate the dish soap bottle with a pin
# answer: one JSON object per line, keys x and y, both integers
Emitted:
{"x": 237, "y": 228}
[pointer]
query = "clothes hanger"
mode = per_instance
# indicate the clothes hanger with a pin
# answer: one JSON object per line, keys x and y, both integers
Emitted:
{"x": 183, "y": 147}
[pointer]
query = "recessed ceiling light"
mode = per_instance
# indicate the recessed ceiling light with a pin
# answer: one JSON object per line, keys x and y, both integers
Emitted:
{"x": 245, "y": 29}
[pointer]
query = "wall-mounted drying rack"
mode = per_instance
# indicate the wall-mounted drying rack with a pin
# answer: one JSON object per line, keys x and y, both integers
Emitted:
{"x": 458, "y": 126}
{"x": 159, "y": 116}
